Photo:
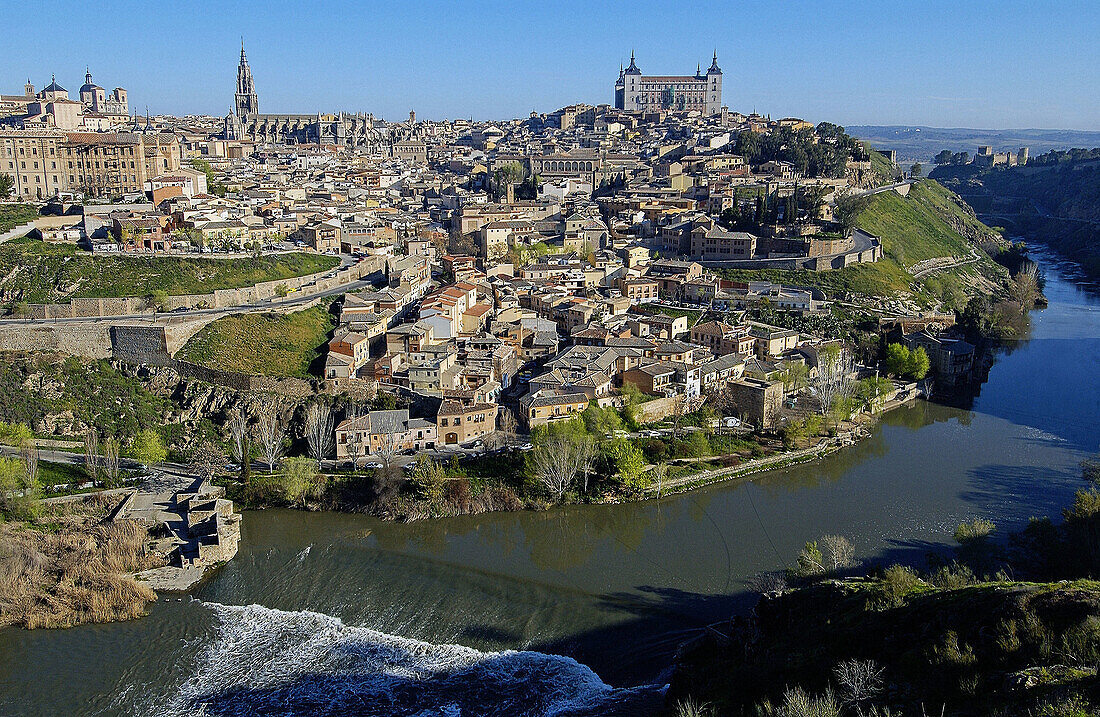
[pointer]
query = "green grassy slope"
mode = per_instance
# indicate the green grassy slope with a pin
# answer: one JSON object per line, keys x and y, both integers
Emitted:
{"x": 927, "y": 223}
{"x": 262, "y": 344}
{"x": 12, "y": 215}
{"x": 38, "y": 272}
{"x": 915, "y": 227}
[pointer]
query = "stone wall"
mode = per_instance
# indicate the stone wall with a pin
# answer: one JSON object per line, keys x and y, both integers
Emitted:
{"x": 657, "y": 409}
{"x": 89, "y": 339}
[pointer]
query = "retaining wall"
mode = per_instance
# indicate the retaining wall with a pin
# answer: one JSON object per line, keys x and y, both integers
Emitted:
{"x": 90, "y": 339}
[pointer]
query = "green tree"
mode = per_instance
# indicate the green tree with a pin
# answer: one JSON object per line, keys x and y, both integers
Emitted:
{"x": 696, "y": 445}
{"x": 18, "y": 493}
{"x": 15, "y": 434}
{"x": 628, "y": 462}
{"x": 918, "y": 364}
{"x": 793, "y": 375}
{"x": 7, "y": 186}
{"x": 848, "y": 209}
{"x": 295, "y": 478}
{"x": 429, "y": 478}
{"x": 157, "y": 300}
{"x": 916, "y": 170}
{"x": 148, "y": 448}
{"x": 944, "y": 157}
{"x": 897, "y": 359}
{"x": 601, "y": 421}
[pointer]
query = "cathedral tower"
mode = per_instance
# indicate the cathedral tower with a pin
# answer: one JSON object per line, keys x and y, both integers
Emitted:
{"x": 246, "y": 101}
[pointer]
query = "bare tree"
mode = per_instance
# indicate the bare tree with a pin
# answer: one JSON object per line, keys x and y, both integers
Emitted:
{"x": 271, "y": 434}
{"x": 839, "y": 551}
{"x": 91, "y": 454}
{"x": 557, "y": 462}
{"x": 112, "y": 463}
{"x": 833, "y": 381}
{"x": 319, "y": 431}
{"x": 1024, "y": 288}
{"x": 207, "y": 458}
{"x": 586, "y": 456}
{"x": 241, "y": 444}
{"x": 509, "y": 427}
{"x": 28, "y": 452}
{"x": 679, "y": 408}
{"x": 355, "y": 443}
{"x": 768, "y": 582}
{"x": 388, "y": 445}
{"x": 859, "y": 680}
{"x": 660, "y": 472}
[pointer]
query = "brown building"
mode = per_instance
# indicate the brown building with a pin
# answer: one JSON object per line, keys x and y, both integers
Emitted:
{"x": 757, "y": 401}
{"x": 461, "y": 423}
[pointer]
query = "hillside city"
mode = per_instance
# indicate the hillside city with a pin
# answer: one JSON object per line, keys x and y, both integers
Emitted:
{"x": 418, "y": 319}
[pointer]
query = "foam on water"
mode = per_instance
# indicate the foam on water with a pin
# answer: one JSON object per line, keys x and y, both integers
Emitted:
{"x": 271, "y": 662}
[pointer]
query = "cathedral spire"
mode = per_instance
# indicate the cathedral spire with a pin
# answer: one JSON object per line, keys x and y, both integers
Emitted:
{"x": 245, "y": 102}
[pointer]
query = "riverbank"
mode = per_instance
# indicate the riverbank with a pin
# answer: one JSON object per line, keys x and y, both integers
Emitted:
{"x": 501, "y": 481}
{"x": 989, "y": 629}
{"x": 66, "y": 566}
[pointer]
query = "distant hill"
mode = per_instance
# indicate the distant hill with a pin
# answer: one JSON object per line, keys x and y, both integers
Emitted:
{"x": 920, "y": 144}
{"x": 1057, "y": 202}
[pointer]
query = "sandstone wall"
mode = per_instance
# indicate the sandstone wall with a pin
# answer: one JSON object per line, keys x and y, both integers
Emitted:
{"x": 89, "y": 339}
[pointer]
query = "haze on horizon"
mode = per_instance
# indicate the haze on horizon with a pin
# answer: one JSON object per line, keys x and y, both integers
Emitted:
{"x": 986, "y": 64}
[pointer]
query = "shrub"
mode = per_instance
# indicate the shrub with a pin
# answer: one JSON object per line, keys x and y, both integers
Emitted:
{"x": 429, "y": 479}
{"x": 148, "y": 448}
{"x": 799, "y": 703}
{"x": 296, "y": 478}
{"x": 15, "y": 434}
{"x": 976, "y": 530}
{"x": 893, "y": 587}
{"x": 952, "y": 577}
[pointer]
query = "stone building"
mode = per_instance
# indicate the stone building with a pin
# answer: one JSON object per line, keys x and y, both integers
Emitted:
{"x": 98, "y": 164}
{"x": 246, "y": 122}
{"x": 700, "y": 92}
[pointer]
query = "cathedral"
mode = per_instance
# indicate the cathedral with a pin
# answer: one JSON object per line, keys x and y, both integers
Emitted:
{"x": 246, "y": 122}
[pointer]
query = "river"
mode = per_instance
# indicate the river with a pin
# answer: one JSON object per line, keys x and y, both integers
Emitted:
{"x": 542, "y": 613}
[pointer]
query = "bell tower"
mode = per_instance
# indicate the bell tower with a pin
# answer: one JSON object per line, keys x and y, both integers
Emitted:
{"x": 246, "y": 102}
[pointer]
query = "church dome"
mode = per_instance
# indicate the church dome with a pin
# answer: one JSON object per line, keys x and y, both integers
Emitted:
{"x": 88, "y": 85}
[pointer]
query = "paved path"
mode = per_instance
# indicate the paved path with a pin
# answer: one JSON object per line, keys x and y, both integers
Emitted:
{"x": 941, "y": 263}
{"x": 756, "y": 465}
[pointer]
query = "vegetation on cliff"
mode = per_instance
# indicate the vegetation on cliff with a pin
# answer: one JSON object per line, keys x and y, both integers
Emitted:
{"x": 263, "y": 344}
{"x": 55, "y": 395}
{"x": 1054, "y": 198}
{"x": 36, "y": 272}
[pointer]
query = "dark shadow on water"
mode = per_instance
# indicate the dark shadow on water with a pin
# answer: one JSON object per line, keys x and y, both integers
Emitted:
{"x": 1017, "y": 493}
{"x": 489, "y": 634}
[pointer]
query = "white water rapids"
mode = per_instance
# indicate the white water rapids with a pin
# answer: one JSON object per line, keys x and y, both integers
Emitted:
{"x": 270, "y": 662}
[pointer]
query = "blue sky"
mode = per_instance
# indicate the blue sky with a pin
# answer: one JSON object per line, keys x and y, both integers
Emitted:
{"x": 964, "y": 63}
